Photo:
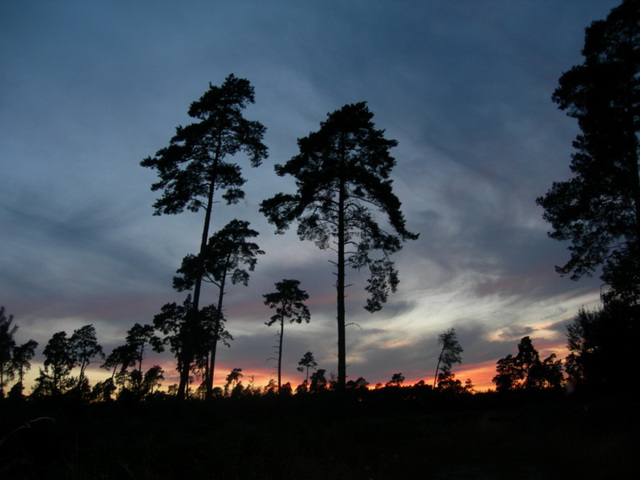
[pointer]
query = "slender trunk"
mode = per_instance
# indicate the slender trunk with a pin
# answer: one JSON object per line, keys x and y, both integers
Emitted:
{"x": 140, "y": 358}
{"x": 435, "y": 379}
{"x": 203, "y": 247}
{"x": 184, "y": 367}
{"x": 340, "y": 287}
{"x": 83, "y": 367}
{"x": 636, "y": 192}
{"x": 280, "y": 353}
{"x": 193, "y": 318}
{"x": 212, "y": 362}
{"x": 205, "y": 377}
{"x": 184, "y": 378}
{"x": 631, "y": 111}
{"x": 55, "y": 380}
{"x": 216, "y": 336}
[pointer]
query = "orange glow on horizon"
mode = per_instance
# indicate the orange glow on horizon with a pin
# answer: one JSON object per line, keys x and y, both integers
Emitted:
{"x": 480, "y": 374}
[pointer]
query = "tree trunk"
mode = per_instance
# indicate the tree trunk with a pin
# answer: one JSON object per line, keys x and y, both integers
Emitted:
{"x": 635, "y": 170}
{"x": 340, "y": 287}
{"x": 216, "y": 337}
{"x": 212, "y": 362}
{"x": 184, "y": 378}
{"x": 280, "y": 353}
{"x": 203, "y": 247}
{"x": 214, "y": 348}
{"x": 193, "y": 318}
{"x": 435, "y": 379}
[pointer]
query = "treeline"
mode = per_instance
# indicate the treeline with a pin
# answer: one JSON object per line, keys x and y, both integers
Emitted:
{"x": 596, "y": 341}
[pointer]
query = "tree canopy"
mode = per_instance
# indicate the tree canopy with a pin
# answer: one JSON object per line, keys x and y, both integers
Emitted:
{"x": 7, "y": 344}
{"x": 450, "y": 354}
{"x": 598, "y": 210}
{"x": 288, "y": 301}
{"x": 527, "y": 371}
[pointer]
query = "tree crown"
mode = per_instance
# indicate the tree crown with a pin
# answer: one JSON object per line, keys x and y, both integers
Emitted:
{"x": 342, "y": 174}
{"x": 194, "y": 162}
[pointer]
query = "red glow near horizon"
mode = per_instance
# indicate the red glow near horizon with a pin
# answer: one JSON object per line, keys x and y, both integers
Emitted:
{"x": 480, "y": 374}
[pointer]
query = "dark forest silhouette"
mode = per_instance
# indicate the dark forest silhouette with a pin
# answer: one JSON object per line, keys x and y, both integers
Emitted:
{"x": 343, "y": 177}
{"x": 343, "y": 427}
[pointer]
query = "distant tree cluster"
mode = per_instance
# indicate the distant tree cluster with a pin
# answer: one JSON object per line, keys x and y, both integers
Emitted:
{"x": 14, "y": 359}
{"x": 594, "y": 345}
{"x": 527, "y": 371}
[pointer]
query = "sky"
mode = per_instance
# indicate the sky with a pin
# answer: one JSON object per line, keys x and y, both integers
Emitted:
{"x": 89, "y": 89}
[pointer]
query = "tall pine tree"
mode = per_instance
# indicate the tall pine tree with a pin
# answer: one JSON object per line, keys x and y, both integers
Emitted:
{"x": 196, "y": 165}
{"x": 342, "y": 175}
{"x": 598, "y": 210}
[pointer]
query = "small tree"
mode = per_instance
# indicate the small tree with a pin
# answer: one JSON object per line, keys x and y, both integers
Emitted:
{"x": 141, "y": 386}
{"x": 103, "y": 391}
{"x": 228, "y": 257}
{"x": 7, "y": 344}
{"x": 59, "y": 361}
{"x": 119, "y": 360}
{"x": 397, "y": 379}
{"x": 21, "y": 361}
{"x": 306, "y": 363}
{"x": 546, "y": 373}
{"x": 509, "y": 374}
{"x": 130, "y": 356}
{"x": 527, "y": 371}
{"x": 84, "y": 347}
{"x": 319, "y": 381}
{"x": 447, "y": 382}
{"x": 359, "y": 384}
{"x": 450, "y": 354}
{"x": 187, "y": 339}
{"x": 138, "y": 337}
{"x": 288, "y": 300}
{"x": 233, "y": 380}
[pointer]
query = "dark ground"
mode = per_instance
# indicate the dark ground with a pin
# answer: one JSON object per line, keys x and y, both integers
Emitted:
{"x": 485, "y": 436}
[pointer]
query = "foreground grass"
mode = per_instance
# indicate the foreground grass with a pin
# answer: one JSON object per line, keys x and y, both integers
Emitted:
{"x": 485, "y": 436}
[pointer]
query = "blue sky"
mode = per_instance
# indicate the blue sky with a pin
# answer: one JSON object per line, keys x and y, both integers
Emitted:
{"x": 89, "y": 89}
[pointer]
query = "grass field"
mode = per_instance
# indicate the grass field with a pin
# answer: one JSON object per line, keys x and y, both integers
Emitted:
{"x": 323, "y": 437}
